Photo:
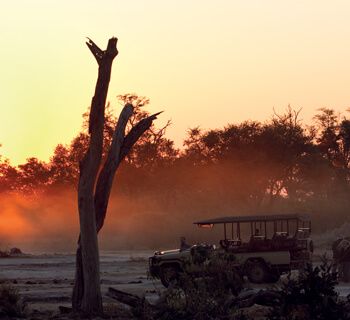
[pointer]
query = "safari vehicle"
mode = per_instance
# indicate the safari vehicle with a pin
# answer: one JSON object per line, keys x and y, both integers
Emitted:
{"x": 277, "y": 244}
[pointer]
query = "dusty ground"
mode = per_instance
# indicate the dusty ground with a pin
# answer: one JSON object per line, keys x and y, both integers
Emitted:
{"x": 45, "y": 281}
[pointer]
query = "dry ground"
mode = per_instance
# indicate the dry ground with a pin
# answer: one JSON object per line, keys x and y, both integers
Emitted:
{"x": 45, "y": 281}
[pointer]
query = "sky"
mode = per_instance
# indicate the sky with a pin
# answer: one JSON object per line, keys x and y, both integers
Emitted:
{"x": 205, "y": 63}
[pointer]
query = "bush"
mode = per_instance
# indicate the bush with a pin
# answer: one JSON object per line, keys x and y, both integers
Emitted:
{"x": 311, "y": 296}
{"x": 11, "y": 305}
{"x": 206, "y": 296}
{"x": 4, "y": 254}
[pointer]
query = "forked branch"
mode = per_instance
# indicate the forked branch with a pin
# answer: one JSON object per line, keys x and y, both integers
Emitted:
{"x": 135, "y": 133}
{"x": 110, "y": 53}
{"x": 120, "y": 147}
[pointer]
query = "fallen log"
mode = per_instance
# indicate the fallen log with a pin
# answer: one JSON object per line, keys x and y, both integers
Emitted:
{"x": 139, "y": 306}
{"x": 129, "y": 299}
{"x": 267, "y": 298}
{"x": 65, "y": 310}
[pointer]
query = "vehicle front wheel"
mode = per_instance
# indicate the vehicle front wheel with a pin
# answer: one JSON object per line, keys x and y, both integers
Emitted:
{"x": 168, "y": 274}
{"x": 257, "y": 272}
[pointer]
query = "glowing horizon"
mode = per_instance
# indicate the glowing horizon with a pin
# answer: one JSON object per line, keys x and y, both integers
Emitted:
{"x": 205, "y": 63}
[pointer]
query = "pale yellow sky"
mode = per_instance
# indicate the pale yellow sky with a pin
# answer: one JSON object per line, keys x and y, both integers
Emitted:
{"x": 204, "y": 62}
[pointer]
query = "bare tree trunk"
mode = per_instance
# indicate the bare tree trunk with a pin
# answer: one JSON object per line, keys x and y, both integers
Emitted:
{"x": 120, "y": 147}
{"x": 78, "y": 289}
{"x": 93, "y": 201}
{"x": 89, "y": 289}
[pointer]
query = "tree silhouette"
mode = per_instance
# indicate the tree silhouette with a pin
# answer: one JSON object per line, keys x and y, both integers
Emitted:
{"x": 95, "y": 185}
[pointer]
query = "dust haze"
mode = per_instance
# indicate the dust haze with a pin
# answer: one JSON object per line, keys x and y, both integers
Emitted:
{"x": 275, "y": 167}
{"x": 49, "y": 222}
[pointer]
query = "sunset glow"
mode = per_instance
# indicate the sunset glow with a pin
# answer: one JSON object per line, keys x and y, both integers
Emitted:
{"x": 126, "y": 125}
{"x": 205, "y": 63}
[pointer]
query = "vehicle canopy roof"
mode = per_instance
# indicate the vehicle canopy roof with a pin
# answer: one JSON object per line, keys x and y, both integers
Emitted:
{"x": 255, "y": 218}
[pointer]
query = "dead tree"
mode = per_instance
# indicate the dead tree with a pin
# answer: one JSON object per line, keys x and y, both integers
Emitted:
{"x": 95, "y": 186}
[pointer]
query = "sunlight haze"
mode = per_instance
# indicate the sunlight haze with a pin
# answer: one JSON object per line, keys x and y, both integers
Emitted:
{"x": 205, "y": 63}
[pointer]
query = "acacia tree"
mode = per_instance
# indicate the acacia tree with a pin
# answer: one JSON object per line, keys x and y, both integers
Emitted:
{"x": 95, "y": 184}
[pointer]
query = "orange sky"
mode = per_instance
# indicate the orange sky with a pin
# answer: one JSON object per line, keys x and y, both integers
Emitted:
{"x": 204, "y": 62}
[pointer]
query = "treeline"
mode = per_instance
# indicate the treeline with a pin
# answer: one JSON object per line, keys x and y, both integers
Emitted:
{"x": 278, "y": 165}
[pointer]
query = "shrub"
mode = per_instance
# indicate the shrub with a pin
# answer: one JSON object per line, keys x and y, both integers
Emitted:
{"x": 311, "y": 296}
{"x": 11, "y": 305}
{"x": 204, "y": 294}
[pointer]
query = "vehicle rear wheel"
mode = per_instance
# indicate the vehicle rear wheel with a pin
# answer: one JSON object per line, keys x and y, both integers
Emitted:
{"x": 168, "y": 274}
{"x": 257, "y": 272}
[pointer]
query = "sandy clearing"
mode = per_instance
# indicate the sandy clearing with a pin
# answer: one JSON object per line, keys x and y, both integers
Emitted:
{"x": 46, "y": 281}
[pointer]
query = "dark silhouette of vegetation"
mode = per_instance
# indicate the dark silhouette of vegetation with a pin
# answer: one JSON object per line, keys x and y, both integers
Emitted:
{"x": 311, "y": 295}
{"x": 203, "y": 297}
{"x": 206, "y": 297}
{"x": 277, "y": 165}
{"x": 11, "y": 304}
{"x": 308, "y": 295}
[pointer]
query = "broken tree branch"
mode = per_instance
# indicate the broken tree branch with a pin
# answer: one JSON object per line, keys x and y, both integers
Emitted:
{"x": 267, "y": 298}
{"x": 126, "y": 298}
{"x": 110, "y": 53}
{"x": 95, "y": 50}
{"x": 106, "y": 176}
{"x": 121, "y": 148}
{"x": 136, "y": 132}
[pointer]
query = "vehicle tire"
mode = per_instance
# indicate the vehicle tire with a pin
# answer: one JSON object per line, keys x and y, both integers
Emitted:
{"x": 257, "y": 272}
{"x": 168, "y": 274}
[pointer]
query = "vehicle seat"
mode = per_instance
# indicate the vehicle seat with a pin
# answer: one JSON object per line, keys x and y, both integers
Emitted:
{"x": 223, "y": 244}
{"x": 230, "y": 243}
{"x": 257, "y": 242}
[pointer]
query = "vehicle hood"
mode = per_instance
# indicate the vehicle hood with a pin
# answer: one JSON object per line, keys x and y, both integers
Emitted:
{"x": 166, "y": 252}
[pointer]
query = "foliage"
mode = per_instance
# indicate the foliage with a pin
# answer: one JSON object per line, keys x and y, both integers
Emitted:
{"x": 311, "y": 296}
{"x": 205, "y": 296}
{"x": 11, "y": 305}
{"x": 277, "y": 165}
